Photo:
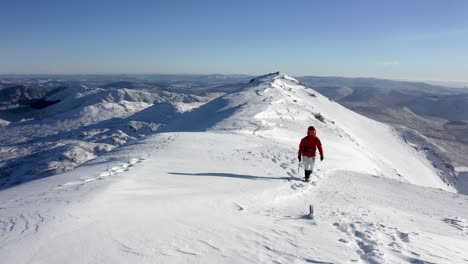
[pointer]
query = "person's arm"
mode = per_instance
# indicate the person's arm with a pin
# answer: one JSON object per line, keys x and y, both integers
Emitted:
{"x": 319, "y": 146}
{"x": 301, "y": 149}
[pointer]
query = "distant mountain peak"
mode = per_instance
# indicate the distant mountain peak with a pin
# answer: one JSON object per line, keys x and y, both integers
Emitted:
{"x": 270, "y": 77}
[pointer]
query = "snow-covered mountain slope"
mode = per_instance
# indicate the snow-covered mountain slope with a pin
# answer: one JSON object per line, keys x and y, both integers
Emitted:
{"x": 434, "y": 111}
{"x": 84, "y": 123}
{"x": 220, "y": 185}
{"x": 277, "y": 106}
{"x": 14, "y": 94}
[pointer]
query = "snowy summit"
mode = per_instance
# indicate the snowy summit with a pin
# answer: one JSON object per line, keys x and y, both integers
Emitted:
{"x": 220, "y": 184}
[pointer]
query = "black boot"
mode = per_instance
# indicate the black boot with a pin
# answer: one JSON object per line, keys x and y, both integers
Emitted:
{"x": 307, "y": 175}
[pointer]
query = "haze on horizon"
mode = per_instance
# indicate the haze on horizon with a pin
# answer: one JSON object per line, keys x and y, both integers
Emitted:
{"x": 412, "y": 40}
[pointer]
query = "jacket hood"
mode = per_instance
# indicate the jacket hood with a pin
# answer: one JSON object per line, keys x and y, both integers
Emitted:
{"x": 311, "y": 129}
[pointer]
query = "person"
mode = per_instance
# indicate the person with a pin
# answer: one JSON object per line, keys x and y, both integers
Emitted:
{"x": 307, "y": 151}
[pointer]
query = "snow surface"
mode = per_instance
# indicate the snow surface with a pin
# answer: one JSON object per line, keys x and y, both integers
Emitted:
{"x": 220, "y": 185}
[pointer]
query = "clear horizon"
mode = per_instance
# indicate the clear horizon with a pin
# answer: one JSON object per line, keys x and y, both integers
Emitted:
{"x": 400, "y": 40}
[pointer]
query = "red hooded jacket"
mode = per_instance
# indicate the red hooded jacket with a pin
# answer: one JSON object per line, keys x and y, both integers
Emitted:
{"x": 310, "y": 144}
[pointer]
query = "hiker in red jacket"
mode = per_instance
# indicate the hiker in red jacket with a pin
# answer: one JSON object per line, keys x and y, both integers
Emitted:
{"x": 308, "y": 149}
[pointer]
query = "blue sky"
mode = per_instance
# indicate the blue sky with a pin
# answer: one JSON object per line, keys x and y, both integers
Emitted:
{"x": 399, "y": 39}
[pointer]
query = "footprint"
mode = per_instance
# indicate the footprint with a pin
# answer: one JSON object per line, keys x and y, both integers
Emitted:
{"x": 403, "y": 236}
{"x": 298, "y": 186}
{"x": 73, "y": 183}
{"x": 89, "y": 180}
{"x": 117, "y": 169}
{"x": 105, "y": 174}
{"x": 122, "y": 167}
{"x": 342, "y": 240}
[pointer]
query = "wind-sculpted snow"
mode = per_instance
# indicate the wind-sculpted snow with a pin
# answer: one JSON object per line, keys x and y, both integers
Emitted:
{"x": 221, "y": 185}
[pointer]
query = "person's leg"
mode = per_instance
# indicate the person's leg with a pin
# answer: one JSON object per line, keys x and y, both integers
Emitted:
{"x": 307, "y": 167}
{"x": 312, "y": 163}
{"x": 308, "y": 163}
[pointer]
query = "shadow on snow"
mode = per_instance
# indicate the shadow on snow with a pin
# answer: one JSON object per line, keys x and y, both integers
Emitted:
{"x": 230, "y": 175}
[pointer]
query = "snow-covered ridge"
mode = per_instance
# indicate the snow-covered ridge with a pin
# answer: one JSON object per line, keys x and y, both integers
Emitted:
{"x": 272, "y": 76}
{"x": 89, "y": 121}
{"x": 279, "y": 107}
